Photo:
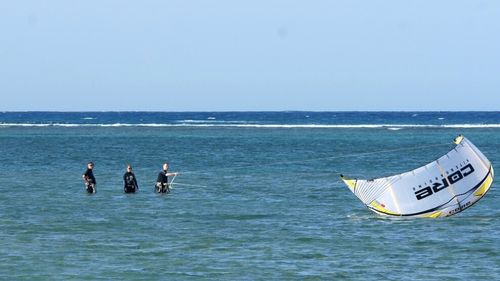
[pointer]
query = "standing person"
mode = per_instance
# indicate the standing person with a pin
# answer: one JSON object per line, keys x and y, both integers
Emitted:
{"x": 89, "y": 179}
{"x": 129, "y": 181}
{"x": 162, "y": 184}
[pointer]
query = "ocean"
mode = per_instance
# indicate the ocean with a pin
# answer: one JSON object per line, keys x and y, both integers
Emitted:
{"x": 258, "y": 197}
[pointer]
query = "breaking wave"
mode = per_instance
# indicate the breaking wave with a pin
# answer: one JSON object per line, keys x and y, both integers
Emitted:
{"x": 242, "y": 124}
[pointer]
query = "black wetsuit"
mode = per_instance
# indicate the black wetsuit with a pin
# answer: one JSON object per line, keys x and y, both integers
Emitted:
{"x": 90, "y": 181}
{"x": 162, "y": 185}
{"x": 129, "y": 182}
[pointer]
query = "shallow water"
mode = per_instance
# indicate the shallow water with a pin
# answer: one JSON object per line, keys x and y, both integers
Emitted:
{"x": 258, "y": 204}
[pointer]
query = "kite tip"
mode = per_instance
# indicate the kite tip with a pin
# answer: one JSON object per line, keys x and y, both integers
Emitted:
{"x": 458, "y": 139}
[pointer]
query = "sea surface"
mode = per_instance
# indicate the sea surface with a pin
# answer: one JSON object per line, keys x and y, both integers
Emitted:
{"x": 258, "y": 197}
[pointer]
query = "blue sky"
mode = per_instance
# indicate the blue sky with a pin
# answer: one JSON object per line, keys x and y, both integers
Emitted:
{"x": 249, "y": 55}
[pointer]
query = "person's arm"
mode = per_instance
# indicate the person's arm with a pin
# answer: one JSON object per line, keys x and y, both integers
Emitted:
{"x": 85, "y": 177}
{"x": 171, "y": 174}
{"x": 159, "y": 179}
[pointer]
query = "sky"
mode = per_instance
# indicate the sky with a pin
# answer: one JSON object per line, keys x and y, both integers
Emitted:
{"x": 226, "y": 55}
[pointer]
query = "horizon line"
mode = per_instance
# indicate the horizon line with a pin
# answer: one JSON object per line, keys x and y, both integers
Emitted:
{"x": 241, "y": 111}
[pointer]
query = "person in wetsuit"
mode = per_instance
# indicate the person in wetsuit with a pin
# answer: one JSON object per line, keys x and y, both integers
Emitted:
{"x": 162, "y": 184}
{"x": 129, "y": 181}
{"x": 89, "y": 179}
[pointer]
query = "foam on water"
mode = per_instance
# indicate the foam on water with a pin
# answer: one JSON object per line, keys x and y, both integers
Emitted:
{"x": 202, "y": 123}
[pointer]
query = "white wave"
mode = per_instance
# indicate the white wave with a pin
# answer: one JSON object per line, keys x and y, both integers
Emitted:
{"x": 89, "y": 118}
{"x": 211, "y": 118}
{"x": 210, "y": 121}
{"x": 45, "y": 125}
{"x": 252, "y": 125}
{"x": 394, "y": 129}
{"x": 192, "y": 121}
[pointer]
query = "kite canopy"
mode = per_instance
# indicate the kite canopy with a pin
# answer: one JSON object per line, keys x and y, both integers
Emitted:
{"x": 441, "y": 188}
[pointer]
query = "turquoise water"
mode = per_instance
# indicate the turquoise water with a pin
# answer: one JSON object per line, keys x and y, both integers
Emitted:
{"x": 258, "y": 203}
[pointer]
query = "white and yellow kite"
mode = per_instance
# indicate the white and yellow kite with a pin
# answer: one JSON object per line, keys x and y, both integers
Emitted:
{"x": 441, "y": 188}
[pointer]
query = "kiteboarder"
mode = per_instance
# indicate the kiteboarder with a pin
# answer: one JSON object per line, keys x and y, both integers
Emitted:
{"x": 129, "y": 181}
{"x": 89, "y": 179}
{"x": 162, "y": 184}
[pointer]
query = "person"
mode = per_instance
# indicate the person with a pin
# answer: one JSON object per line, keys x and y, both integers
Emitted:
{"x": 162, "y": 184}
{"x": 129, "y": 181}
{"x": 89, "y": 179}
